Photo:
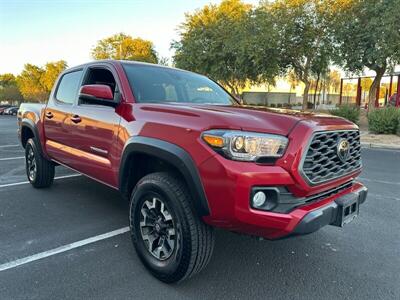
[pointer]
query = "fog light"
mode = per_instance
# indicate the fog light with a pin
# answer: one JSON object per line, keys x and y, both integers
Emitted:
{"x": 259, "y": 199}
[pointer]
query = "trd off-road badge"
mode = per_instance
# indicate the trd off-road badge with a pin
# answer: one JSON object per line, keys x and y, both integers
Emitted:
{"x": 343, "y": 149}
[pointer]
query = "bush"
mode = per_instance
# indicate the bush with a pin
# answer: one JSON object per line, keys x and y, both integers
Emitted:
{"x": 384, "y": 120}
{"x": 398, "y": 126}
{"x": 349, "y": 112}
{"x": 272, "y": 105}
{"x": 287, "y": 105}
{"x": 279, "y": 105}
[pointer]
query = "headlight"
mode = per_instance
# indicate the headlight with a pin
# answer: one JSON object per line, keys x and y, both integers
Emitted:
{"x": 243, "y": 145}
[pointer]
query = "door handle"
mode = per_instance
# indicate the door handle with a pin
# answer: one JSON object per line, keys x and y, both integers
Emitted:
{"x": 76, "y": 119}
{"x": 49, "y": 115}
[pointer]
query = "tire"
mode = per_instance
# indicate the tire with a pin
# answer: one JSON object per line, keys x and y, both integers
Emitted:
{"x": 192, "y": 240}
{"x": 40, "y": 171}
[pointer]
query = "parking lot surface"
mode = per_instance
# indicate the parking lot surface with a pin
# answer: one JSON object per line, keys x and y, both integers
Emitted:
{"x": 360, "y": 261}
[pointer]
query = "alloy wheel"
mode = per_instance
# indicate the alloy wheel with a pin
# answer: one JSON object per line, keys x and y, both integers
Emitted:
{"x": 31, "y": 164}
{"x": 157, "y": 228}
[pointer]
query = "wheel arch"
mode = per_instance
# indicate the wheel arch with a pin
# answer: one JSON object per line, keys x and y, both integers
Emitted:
{"x": 170, "y": 155}
{"x": 29, "y": 130}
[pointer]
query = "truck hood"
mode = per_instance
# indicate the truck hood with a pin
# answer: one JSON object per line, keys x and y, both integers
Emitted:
{"x": 249, "y": 118}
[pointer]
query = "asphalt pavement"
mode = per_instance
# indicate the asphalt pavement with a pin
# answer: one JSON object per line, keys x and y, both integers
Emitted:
{"x": 360, "y": 261}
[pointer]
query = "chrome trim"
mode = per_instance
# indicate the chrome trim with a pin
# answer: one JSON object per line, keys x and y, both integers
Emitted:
{"x": 95, "y": 149}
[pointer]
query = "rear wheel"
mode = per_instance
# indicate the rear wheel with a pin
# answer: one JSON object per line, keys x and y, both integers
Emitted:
{"x": 39, "y": 170}
{"x": 171, "y": 241}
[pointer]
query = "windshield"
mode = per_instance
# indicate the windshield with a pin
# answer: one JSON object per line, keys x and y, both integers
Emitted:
{"x": 152, "y": 84}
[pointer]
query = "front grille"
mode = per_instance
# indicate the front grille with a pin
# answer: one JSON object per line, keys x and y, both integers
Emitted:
{"x": 322, "y": 163}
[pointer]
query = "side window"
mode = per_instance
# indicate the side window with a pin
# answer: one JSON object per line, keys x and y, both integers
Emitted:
{"x": 68, "y": 87}
{"x": 100, "y": 76}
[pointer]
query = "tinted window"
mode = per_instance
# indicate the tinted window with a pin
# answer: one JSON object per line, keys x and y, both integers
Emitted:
{"x": 68, "y": 88}
{"x": 158, "y": 85}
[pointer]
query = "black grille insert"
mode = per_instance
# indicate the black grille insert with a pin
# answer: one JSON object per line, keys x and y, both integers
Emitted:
{"x": 322, "y": 163}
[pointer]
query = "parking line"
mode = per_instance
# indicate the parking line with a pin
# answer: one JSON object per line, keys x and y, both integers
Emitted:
{"x": 26, "y": 182}
{"x": 5, "y": 146}
{"x": 11, "y": 158}
{"x": 41, "y": 255}
{"x": 379, "y": 181}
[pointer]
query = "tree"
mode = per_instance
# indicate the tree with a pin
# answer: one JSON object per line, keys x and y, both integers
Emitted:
{"x": 263, "y": 46}
{"x": 122, "y": 46}
{"x": 30, "y": 83}
{"x": 8, "y": 88}
{"x": 366, "y": 34}
{"x": 303, "y": 37}
{"x": 35, "y": 83}
{"x": 333, "y": 80}
{"x": 217, "y": 41}
{"x": 293, "y": 81}
{"x": 52, "y": 71}
{"x": 163, "y": 61}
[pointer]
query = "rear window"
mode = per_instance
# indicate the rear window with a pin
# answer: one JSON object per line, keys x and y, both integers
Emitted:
{"x": 68, "y": 88}
{"x": 152, "y": 84}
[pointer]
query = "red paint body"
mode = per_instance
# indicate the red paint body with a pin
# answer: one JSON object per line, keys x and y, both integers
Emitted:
{"x": 227, "y": 183}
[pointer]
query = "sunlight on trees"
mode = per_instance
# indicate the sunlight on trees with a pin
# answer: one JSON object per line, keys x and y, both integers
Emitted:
{"x": 35, "y": 83}
{"x": 124, "y": 47}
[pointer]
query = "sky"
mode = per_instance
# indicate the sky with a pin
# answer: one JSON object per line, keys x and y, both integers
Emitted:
{"x": 39, "y": 31}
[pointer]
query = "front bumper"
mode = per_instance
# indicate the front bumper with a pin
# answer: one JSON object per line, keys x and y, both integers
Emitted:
{"x": 328, "y": 214}
{"x": 229, "y": 189}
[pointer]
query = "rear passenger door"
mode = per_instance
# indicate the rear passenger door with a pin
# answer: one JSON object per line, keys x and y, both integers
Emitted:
{"x": 94, "y": 129}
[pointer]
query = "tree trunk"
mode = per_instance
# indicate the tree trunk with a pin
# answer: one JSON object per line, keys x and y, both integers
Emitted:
{"x": 319, "y": 92}
{"x": 316, "y": 90}
{"x": 305, "y": 94}
{"x": 373, "y": 90}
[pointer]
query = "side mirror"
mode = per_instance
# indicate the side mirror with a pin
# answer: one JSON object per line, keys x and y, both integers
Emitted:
{"x": 97, "y": 94}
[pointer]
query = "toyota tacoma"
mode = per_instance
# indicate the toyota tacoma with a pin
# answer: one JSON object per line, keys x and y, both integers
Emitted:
{"x": 189, "y": 157}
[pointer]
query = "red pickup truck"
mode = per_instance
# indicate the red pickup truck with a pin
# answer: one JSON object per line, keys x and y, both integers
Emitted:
{"x": 189, "y": 157}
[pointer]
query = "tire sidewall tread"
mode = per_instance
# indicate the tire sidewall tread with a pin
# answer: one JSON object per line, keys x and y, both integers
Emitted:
{"x": 197, "y": 237}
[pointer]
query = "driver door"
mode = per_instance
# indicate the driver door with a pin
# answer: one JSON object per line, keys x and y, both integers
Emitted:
{"x": 94, "y": 129}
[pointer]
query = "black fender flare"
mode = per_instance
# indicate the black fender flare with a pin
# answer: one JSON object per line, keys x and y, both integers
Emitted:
{"x": 32, "y": 126}
{"x": 172, "y": 154}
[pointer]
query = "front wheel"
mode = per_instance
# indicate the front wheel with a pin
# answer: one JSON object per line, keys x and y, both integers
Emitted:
{"x": 171, "y": 241}
{"x": 39, "y": 170}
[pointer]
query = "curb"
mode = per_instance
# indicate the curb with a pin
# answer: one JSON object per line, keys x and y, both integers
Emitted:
{"x": 380, "y": 146}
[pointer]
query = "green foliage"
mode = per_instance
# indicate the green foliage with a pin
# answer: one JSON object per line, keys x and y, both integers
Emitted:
{"x": 385, "y": 120}
{"x": 52, "y": 70}
{"x": 30, "y": 83}
{"x": 35, "y": 83}
{"x": 220, "y": 41}
{"x": 122, "y": 46}
{"x": 9, "y": 90}
{"x": 398, "y": 126}
{"x": 304, "y": 44}
{"x": 365, "y": 33}
{"x": 7, "y": 79}
{"x": 349, "y": 112}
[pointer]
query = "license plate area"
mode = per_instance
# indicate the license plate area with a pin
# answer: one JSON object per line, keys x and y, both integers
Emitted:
{"x": 348, "y": 209}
